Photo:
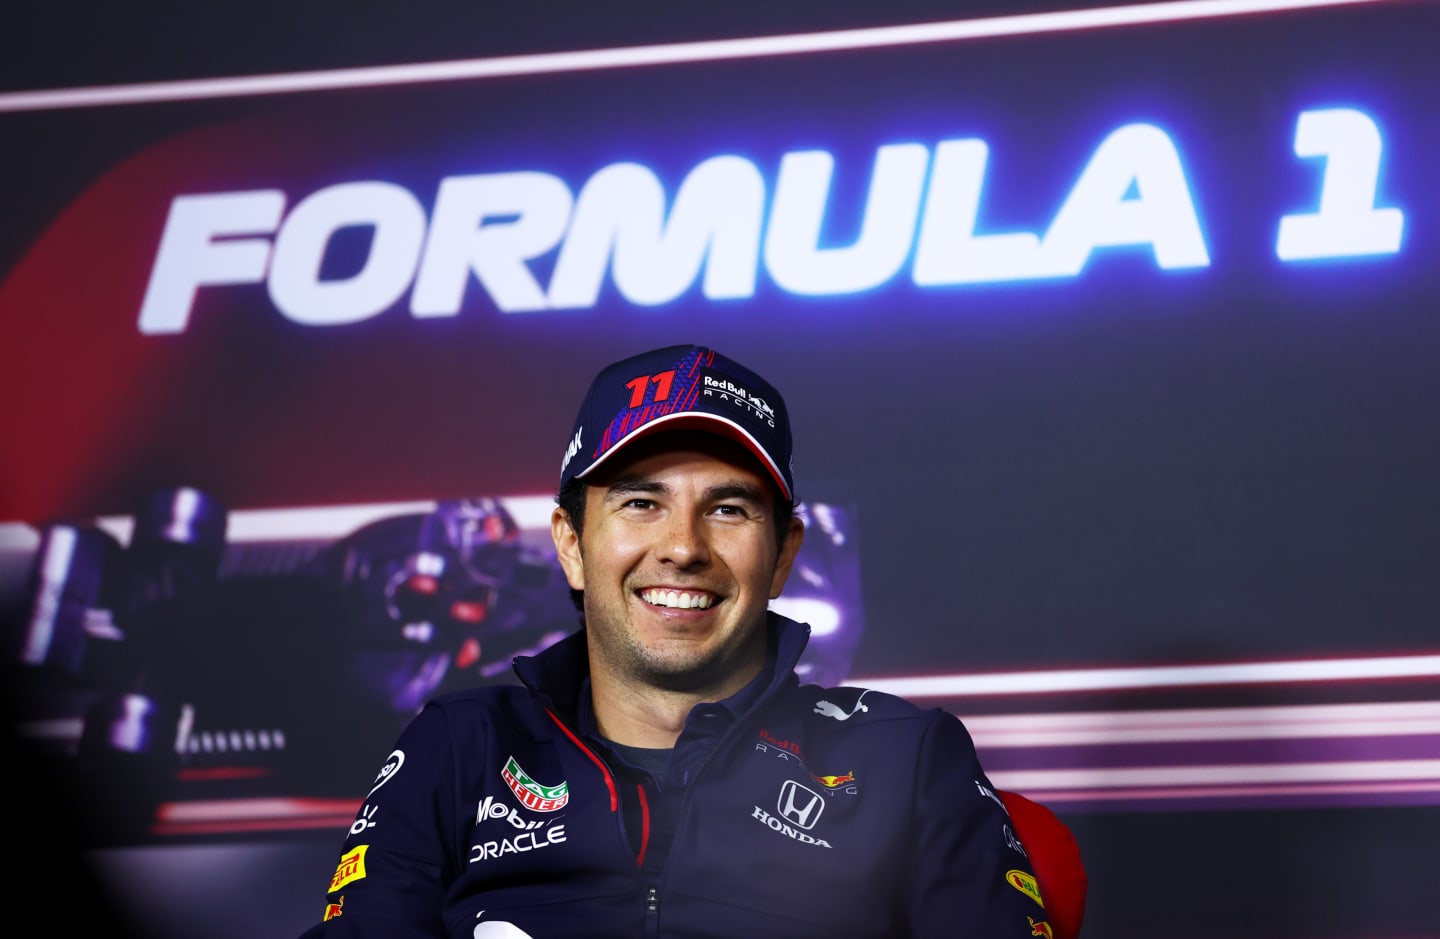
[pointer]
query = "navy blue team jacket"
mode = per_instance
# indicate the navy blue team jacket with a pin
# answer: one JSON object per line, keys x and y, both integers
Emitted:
{"x": 789, "y": 811}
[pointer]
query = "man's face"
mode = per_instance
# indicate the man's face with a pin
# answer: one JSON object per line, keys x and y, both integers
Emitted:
{"x": 678, "y": 561}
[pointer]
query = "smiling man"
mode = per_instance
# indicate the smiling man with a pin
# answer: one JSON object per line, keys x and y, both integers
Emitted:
{"x": 662, "y": 771}
{"x": 678, "y": 560}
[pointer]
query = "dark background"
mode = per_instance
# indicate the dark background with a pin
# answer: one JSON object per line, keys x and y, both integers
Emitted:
{"x": 1131, "y": 467}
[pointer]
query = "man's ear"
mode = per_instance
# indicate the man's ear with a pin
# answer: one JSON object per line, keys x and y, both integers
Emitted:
{"x": 567, "y": 548}
{"x": 794, "y": 537}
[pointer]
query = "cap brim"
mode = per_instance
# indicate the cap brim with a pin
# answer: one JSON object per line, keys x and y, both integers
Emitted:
{"x": 690, "y": 420}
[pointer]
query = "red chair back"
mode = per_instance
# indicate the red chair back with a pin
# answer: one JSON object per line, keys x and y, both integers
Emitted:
{"x": 1055, "y": 856}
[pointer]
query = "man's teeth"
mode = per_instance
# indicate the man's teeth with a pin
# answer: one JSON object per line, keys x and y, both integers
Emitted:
{"x": 679, "y": 599}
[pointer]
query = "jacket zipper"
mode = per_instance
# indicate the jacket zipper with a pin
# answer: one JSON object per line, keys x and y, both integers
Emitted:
{"x": 653, "y": 902}
{"x": 652, "y": 898}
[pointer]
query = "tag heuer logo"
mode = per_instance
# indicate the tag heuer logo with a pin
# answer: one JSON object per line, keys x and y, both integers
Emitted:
{"x": 533, "y": 795}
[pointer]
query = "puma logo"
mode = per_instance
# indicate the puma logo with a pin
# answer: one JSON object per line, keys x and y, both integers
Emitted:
{"x": 833, "y": 710}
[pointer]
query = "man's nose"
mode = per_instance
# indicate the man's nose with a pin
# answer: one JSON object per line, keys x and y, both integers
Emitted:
{"x": 684, "y": 543}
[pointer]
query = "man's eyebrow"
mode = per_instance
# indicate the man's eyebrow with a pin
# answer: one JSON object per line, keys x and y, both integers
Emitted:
{"x": 735, "y": 491}
{"x": 630, "y": 486}
{"x": 621, "y": 487}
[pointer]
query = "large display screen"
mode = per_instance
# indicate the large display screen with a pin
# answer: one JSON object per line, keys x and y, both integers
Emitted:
{"x": 1110, "y": 338}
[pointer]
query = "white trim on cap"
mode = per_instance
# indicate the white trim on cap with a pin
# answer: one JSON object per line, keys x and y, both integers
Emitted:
{"x": 741, "y": 436}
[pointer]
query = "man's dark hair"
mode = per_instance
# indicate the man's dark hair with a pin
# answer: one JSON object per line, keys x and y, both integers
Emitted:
{"x": 571, "y": 498}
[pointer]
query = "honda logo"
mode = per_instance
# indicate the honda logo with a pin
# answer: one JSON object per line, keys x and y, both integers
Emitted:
{"x": 799, "y": 804}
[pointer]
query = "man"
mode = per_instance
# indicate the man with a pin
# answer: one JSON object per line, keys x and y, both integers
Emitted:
{"x": 662, "y": 772}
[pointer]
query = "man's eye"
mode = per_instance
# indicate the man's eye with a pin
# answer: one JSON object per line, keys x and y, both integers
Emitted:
{"x": 639, "y": 503}
{"x": 735, "y": 511}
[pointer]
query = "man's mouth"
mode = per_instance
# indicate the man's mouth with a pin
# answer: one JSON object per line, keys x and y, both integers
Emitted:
{"x": 678, "y": 599}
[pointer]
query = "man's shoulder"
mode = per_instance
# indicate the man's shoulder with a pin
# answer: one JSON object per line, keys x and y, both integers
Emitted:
{"x": 472, "y": 723}
{"x": 854, "y": 705}
{"x": 853, "y": 720}
{"x": 486, "y": 704}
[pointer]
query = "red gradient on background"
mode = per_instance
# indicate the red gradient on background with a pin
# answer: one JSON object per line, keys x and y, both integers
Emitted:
{"x": 244, "y": 404}
{"x": 85, "y": 391}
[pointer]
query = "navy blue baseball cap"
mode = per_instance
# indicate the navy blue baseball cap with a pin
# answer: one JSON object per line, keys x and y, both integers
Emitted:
{"x": 680, "y": 388}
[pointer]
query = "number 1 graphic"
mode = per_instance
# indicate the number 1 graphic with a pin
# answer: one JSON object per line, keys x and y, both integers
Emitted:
{"x": 1347, "y": 222}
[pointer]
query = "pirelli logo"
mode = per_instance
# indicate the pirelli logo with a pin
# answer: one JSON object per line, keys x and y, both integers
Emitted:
{"x": 351, "y": 867}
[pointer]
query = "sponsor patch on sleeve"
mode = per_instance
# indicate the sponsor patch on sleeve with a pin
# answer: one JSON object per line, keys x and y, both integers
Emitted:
{"x": 1026, "y": 884}
{"x": 351, "y": 868}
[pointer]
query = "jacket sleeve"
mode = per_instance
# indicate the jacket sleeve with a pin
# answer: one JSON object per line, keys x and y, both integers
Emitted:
{"x": 969, "y": 876}
{"x": 398, "y": 855}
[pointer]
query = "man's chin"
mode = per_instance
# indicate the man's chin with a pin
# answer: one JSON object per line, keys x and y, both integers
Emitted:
{"x": 682, "y": 676}
{"x": 690, "y": 672}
